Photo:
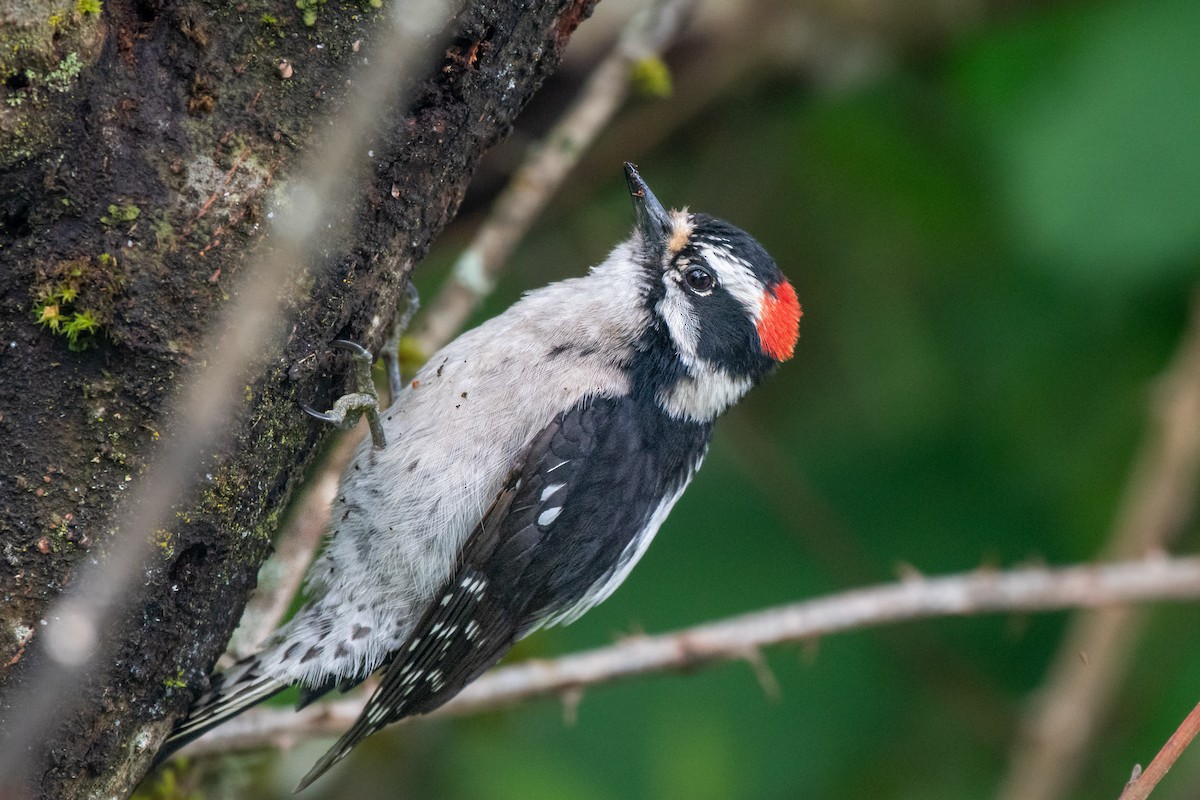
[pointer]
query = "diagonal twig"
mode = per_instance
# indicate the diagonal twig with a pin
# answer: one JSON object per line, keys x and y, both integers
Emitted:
{"x": 1159, "y": 498}
{"x": 1143, "y": 783}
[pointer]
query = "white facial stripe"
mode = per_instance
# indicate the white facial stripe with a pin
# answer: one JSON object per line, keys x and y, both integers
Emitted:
{"x": 737, "y": 277}
{"x": 707, "y": 390}
{"x": 680, "y": 318}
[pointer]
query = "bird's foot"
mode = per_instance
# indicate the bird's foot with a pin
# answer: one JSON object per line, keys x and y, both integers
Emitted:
{"x": 348, "y": 408}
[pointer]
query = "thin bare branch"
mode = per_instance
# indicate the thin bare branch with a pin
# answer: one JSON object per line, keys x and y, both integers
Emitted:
{"x": 1159, "y": 498}
{"x": 978, "y": 592}
{"x": 1143, "y": 783}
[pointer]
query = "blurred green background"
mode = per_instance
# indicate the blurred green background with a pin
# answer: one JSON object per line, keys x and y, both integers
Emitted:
{"x": 994, "y": 232}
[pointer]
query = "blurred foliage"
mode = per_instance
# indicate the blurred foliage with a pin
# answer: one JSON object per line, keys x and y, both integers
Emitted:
{"x": 995, "y": 251}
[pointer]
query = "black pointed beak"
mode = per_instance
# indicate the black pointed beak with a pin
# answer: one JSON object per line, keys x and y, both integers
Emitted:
{"x": 652, "y": 219}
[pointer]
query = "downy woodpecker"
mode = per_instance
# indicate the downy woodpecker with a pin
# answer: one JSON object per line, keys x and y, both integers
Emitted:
{"x": 530, "y": 463}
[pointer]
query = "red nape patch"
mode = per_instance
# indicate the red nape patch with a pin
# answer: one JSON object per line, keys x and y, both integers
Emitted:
{"x": 779, "y": 322}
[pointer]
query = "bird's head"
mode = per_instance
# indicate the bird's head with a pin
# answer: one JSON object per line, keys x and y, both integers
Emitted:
{"x": 729, "y": 311}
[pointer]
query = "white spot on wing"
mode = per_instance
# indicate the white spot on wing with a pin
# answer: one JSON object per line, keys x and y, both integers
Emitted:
{"x": 548, "y": 516}
{"x": 629, "y": 558}
{"x": 549, "y": 491}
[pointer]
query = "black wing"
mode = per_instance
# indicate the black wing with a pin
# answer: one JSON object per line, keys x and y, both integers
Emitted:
{"x": 569, "y": 517}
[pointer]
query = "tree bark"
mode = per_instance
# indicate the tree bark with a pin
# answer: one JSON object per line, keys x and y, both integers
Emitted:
{"x": 140, "y": 147}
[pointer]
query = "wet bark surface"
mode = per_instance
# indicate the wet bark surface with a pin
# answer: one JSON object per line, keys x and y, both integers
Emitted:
{"x": 141, "y": 147}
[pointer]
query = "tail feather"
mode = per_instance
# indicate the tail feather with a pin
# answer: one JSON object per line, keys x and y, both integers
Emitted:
{"x": 231, "y": 694}
{"x": 349, "y": 740}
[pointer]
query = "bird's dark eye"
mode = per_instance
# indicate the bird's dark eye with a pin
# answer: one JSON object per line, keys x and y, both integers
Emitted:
{"x": 698, "y": 280}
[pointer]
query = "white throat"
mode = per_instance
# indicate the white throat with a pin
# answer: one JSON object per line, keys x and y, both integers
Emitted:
{"x": 703, "y": 394}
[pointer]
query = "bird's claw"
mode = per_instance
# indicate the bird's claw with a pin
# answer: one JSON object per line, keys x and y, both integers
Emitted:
{"x": 338, "y": 421}
{"x": 363, "y": 401}
{"x": 354, "y": 348}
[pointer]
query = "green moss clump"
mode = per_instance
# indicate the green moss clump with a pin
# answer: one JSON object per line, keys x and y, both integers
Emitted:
{"x": 59, "y": 79}
{"x": 56, "y": 310}
{"x": 308, "y": 8}
{"x": 62, "y": 76}
{"x": 118, "y": 214}
{"x": 76, "y": 298}
{"x": 43, "y": 55}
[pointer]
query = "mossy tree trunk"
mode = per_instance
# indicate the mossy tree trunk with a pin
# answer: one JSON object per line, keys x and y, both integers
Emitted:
{"x": 140, "y": 141}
